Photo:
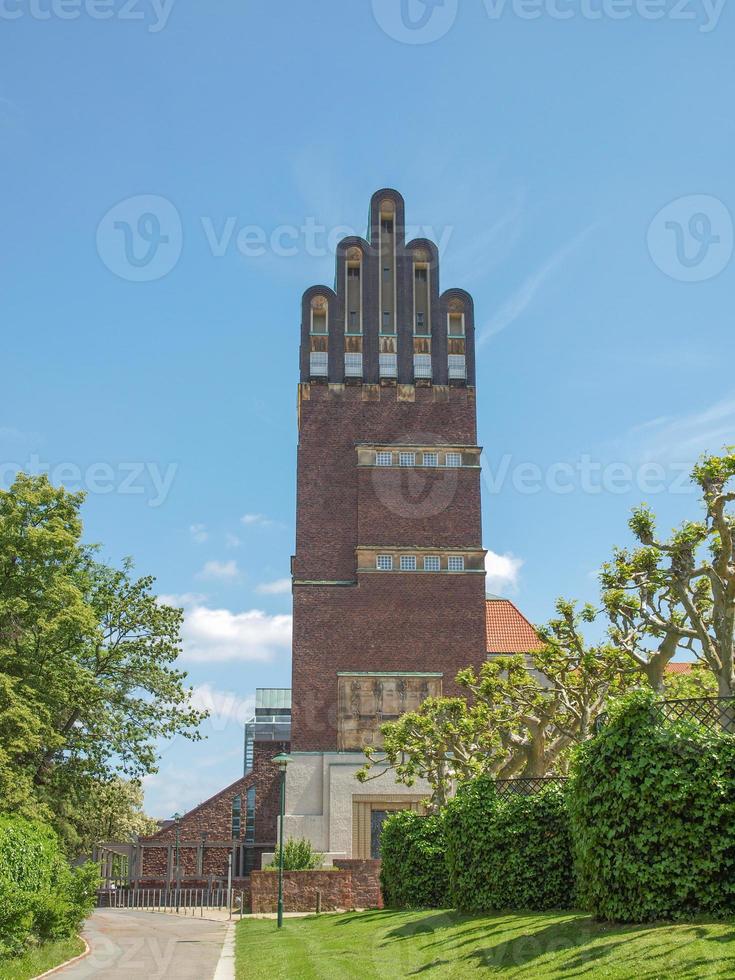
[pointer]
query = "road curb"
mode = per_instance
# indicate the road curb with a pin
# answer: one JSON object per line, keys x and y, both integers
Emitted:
{"x": 226, "y": 963}
{"x": 63, "y": 966}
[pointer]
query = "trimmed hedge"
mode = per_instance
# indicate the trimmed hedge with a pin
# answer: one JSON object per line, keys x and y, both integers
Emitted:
{"x": 510, "y": 853}
{"x": 652, "y": 808}
{"x": 41, "y": 898}
{"x": 413, "y": 872}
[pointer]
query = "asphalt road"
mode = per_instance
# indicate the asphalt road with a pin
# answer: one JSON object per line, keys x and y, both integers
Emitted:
{"x": 130, "y": 944}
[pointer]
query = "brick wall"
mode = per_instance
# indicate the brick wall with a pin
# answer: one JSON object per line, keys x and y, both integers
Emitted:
{"x": 332, "y": 423}
{"x": 355, "y": 884}
{"x": 213, "y": 818}
{"x": 393, "y": 621}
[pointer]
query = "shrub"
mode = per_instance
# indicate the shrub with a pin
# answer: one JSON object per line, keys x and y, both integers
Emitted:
{"x": 40, "y": 896}
{"x": 510, "y": 853}
{"x": 413, "y": 873}
{"x": 298, "y": 855}
{"x": 653, "y": 817}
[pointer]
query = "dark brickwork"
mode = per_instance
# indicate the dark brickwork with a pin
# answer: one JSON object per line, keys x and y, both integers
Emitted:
{"x": 354, "y": 885}
{"x": 350, "y": 620}
{"x": 206, "y": 856}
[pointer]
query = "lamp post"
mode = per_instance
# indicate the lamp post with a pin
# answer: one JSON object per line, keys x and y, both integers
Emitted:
{"x": 282, "y": 760}
{"x": 177, "y": 870}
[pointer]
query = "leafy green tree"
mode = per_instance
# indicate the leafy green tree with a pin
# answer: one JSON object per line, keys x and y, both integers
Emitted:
{"x": 94, "y": 812}
{"x": 443, "y": 740}
{"x": 87, "y": 654}
{"x": 551, "y": 703}
{"x": 679, "y": 593}
{"x": 520, "y": 718}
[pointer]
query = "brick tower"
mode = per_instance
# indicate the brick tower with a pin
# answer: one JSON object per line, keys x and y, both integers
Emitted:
{"x": 388, "y": 575}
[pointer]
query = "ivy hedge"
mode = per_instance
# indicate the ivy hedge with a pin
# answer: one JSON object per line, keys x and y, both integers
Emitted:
{"x": 413, "y": 872}
{"x": 41, "y": 897}
{"x": 508, "y": 853}
{"x": 652, "y": 808}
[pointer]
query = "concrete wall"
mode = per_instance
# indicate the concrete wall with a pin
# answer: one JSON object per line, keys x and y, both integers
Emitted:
{"x": 320, "y": 787}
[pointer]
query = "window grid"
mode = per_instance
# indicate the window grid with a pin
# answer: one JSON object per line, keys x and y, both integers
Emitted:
{"x": 432, "y": 563}
{"x": 407, "y": 459}
{"x": 457, "y": 366}
{"x": 383, "y": 459}
{"x": 408, "y": 563}
{"x": 422, "y": 365}
{"x": 453, "y": 459}
{"x": 388, "y": 365}
{"x": 455, "y": 563}
{"x": 318, "y": 363}
{"x": 384, "y": 563}
{"x": 353, "y": 365}
{"x": 431, "y": 459}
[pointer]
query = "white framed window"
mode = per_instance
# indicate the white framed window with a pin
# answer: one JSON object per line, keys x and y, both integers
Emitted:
{"x": 457, "y": 366}
{"x": 420, "y": 324}
{"x": 455, "y": 563}
{"x": 318, "y": 363}
{"x": 353, "y": 271}
{"x": 353, "y": 365}
{"x": 383, "y": 459}
{"x": 455, "y": 326}
{"x": 453, "y": 459}
{"x": 408, "y": 563}
{"x": 406, "y": 459}
{"x": 431, "y": 459}
{"x": 422, "y": 365}
{"x": 421, "y": 274}
{"x": 388, "y": 365}
{"x": 384, "y": 563}
{"x": 432, "y": 563}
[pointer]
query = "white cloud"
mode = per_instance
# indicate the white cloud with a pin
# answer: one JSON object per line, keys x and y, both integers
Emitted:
{"x": 231, "y": 540}
{"x": 256, "y": 520}
{"x": 279, "y": 587}
{"x": 503, "y": 572}
{"x": 517, "y": 303}
{"x": 181, "y": 599}
{"x": 198, "y": 533}
{"x": 224, "y": 707}
{"x": 220, "y": 570}
{"x": 219, "y": 635}
{"x": 685, "y": 437}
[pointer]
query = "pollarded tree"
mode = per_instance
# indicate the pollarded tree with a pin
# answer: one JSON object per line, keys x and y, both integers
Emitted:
{"x": 555, "y": 704}
{"x": 443, "y": 740}
{"x": 680, "y": 593}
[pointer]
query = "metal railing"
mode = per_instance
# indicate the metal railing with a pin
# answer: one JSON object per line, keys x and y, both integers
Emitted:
{"x": 527, "y": 785}
{"x": 173, "y": 899}
{"x": 716, "y": 714}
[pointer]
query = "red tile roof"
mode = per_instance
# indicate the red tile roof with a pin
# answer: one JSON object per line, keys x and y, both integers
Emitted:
{"x": 679, "y": 668}
{"x": 507, "y": 629}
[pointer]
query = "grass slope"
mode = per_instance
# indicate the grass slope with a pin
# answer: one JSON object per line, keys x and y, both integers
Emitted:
{"x": 37, "y": 961}
{"x": 387, "y": 944}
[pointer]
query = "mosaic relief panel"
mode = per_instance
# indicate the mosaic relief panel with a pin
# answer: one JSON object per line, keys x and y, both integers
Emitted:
{"x": 364, "y": 703}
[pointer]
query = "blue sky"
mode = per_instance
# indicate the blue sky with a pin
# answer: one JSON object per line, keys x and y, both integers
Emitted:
{"x": 171, "y": 182}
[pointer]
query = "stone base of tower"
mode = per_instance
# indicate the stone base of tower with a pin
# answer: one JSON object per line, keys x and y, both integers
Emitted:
{"x": 339, "y": 815}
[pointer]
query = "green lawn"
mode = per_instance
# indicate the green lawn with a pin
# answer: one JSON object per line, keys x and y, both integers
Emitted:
{"x": 384, "y": 945}
{"x": 39, "y": 960}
